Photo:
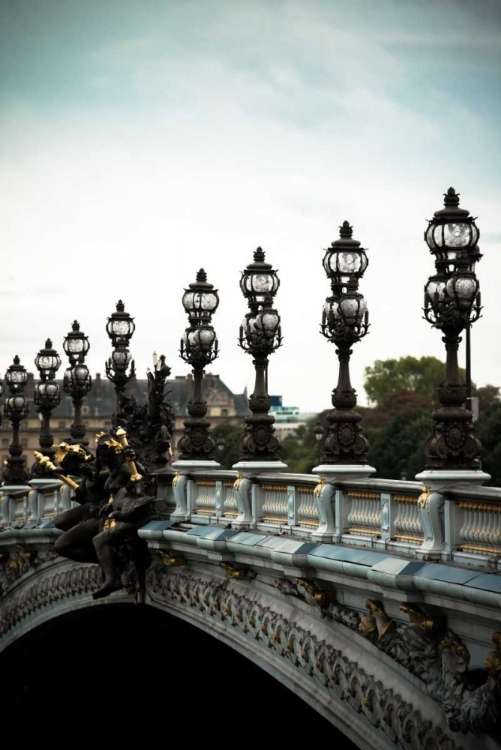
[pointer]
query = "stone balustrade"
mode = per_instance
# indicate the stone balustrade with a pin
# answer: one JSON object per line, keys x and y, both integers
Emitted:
{"x": 460, "y": 524}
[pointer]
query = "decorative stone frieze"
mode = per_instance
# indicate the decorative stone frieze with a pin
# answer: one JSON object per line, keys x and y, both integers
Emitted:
{"x": 342, "y": 678}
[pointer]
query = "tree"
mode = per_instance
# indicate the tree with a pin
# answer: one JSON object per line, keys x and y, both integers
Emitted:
{"x": 301, "y": 451}
{"x": 397, "y": 450}
{"x": 408, "y": 374}
{"x": 487, "y": 396}
{"x": 227, "y": 438}
{"x": 488, "y": 431}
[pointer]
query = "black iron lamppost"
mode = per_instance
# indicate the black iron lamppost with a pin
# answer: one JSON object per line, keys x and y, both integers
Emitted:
{"x": 120, "y": 328}
{"x": 451, "y": 304}
{"x": 345, "y": 321}
{"x": 16, "y": 409}
{"x": 199, "y": 347}
{"x": 77, "y": 381}
{"x": 47, "y": 395}
{"x": 260, "y": 336}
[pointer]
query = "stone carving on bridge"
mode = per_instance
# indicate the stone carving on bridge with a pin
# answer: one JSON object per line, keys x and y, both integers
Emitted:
{"x": 149, "y": 426}
{"x": 47, "y": 591}
{"x": 17, "y": 561}
{"x": 323, "y": 599}
{"x": 238, "y": 572}
{"x": 343, "y": 679}
{"x": 432, "y": 652}
{"x": 425, "y": 647}
{"x": 112, "y": 505}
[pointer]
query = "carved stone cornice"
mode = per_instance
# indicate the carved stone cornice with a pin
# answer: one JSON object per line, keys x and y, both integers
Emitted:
{"x": 18, "y": 560}
{"x": 49, "y": 589}
{"x": 340, "y": 677}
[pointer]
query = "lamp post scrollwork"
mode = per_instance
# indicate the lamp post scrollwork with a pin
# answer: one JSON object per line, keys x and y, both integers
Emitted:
{"x": 199, "y": 347}
{"x": 16, "y": 408}
{"x": 345, "y": 321}
{"x": 452, "y": 303}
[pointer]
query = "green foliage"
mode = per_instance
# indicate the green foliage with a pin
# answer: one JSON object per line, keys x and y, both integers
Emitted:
{"x": 397, "y": 427}
{"x": 300, "y": 451}
{"x": 488, "y": 431}
{"x": 232, "y": 434}
{"x": 397, "y": 450}
{"x": 409, "y": 374}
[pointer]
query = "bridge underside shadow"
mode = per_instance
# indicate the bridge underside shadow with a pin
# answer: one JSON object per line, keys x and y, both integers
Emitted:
{"x": 120, "y": 671}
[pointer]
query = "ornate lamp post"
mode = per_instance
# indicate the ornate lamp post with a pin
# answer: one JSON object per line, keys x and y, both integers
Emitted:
{"x": 16, "y": 409}
{"x": 77, "y": 381}
{"x": 451, "y": 304}
{"x": 120, "y": 328}
{"x": 47, "y": 395}
{"x": 260, "y": 336}
{"x": 199, "y": 347}
{"x": 345, "y": 321}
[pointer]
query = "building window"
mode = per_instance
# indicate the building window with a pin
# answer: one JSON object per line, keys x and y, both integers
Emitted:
{"x": 5, "y": 443}
{"x": 85, "y": 410}
{"x": 24, "y": 442}
{"x": 224, "y": 412}
{"x": 62, "y": 425}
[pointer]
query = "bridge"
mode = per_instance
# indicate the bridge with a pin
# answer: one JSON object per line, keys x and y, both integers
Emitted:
{"x": 375, "y": 602}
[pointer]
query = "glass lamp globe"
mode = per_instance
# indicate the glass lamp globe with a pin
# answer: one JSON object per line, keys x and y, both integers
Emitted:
{"x": 201, "y": 299}
{"x": 76, "y": 344}
{"x": 120, "y": 326}
{"x": 259, "y": 280}
{"x": 452, "y": 233}
{"x": 345, "y": 260}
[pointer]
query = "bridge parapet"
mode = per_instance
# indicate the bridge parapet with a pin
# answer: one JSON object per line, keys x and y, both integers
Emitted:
{"x": 335, "y": 581}
{"x": 457, "y": 525}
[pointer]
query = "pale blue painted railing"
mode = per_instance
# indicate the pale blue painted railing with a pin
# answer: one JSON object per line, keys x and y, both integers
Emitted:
{"x": 460, "y": 525}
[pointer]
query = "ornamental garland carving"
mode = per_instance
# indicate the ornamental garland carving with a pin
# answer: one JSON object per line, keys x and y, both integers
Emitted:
{"x": 381, "y": 707}
{"x": 424, "y": 646}
{"x": 427, "y": 649}
{"x": 49, "y": 589}
{"x": 432, "y": 652}
{"x": 18, "y": 560}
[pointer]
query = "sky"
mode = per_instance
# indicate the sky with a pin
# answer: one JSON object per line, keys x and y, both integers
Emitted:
{"x": 142, "y": 141}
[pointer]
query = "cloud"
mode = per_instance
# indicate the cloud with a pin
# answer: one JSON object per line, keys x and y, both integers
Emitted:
{"x": 195, "y": 132}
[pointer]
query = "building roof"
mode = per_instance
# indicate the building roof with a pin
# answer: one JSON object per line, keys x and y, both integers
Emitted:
{"x": 101, "y": 398}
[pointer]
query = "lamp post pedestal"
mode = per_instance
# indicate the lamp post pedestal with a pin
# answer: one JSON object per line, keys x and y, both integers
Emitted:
{"x": 343, "y": 472}
{"x": 436, "y": 513}
{"x": 247, "y": 504}
{"x": 181, "y": 487}
{"x": 440, "y": 480}
{"x": 330, "y": 507}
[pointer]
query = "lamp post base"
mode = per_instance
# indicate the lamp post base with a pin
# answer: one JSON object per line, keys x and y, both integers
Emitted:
{"x": 184, "y": 466}
{"x": 258, "y": 467}
{"x": 181, "y": 487}
{"x": 333, "y": 472}
{"x": 439, "y": 479}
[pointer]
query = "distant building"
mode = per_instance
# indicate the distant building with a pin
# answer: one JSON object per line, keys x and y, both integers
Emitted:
{"x": 287, "y": 418}
{"x": 223, "y": 406}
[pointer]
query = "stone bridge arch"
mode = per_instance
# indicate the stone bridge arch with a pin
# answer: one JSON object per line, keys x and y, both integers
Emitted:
{"x": 113, "y": 671}
{"x": 347, "y": 679}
